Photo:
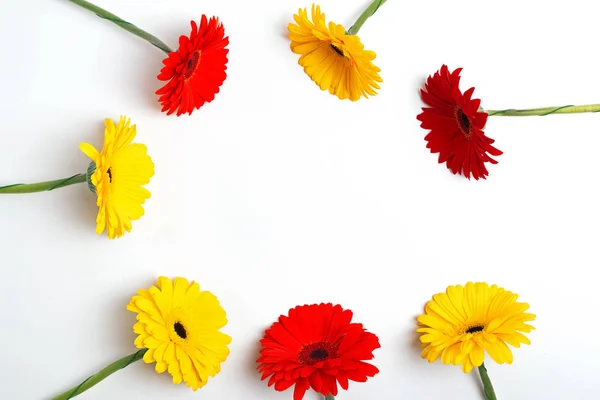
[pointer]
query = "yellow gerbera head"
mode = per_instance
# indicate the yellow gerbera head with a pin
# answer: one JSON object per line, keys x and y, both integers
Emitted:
{"x": 463, "y": 323}
{"x": 333, "y": 59}
{"x": 117, "y": 175}
{"x": 179, "y": 325}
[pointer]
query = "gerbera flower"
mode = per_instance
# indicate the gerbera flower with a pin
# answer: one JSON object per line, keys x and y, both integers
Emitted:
{"x": 117, "y": 175}
{"x": 196, "y": 70}
{"x": 463, "y": 323}
{"x": 316, "y": 346}
{"x": 334, "y": 59}
{"x": 179, "y": 325}
{"x": 456, "y": 125}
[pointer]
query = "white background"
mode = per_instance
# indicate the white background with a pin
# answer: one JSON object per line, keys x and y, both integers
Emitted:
{"x": 278, "y": 194}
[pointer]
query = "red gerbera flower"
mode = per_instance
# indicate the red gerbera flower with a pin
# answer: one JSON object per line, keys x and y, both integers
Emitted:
{"x": 316, "y": 346}
{"x": 196, "y": 70}
{"x": 456, "y": 125}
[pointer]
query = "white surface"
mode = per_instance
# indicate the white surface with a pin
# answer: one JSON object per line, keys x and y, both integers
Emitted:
{"x": 278, "y": 194}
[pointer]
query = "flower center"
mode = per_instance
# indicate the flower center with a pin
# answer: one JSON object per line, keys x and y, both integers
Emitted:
{"x": 109, "y": 172}
{"x": 315, "y": 352}
{"x": 475, "y": 329}
{"x": 180, "y": 330}
{"x": 192, "y": 65}
{"x": 318, "y": 354}
{"x": 337, "y": 49}
{"x": 463, "y": 122}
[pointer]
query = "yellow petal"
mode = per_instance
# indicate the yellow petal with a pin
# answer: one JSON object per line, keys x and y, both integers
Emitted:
{"x": 477, "y": 355}
{"x": 89, "y": 150}
{"x": 180, "y": 287}
{"x": 160, "y": 367}
{"x": 467, "y": 365}
{"x": 149, "y": 356}
{"x": 500, "y": 352}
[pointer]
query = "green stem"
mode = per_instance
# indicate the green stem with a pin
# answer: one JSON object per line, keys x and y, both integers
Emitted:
{"x": 102, "y": 13}
{"x": 98, "y": 377}
{"x": 330, "y": 397}
{"x": 488, "y": 389}
{"x": 43, "y": 186}
{"x": 590, "y": 108}
{"x": 369, "y": 11}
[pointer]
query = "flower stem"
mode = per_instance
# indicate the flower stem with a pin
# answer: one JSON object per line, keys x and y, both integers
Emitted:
{"x": 369, "y": 11}
{"x": 43, "y": 186}
{"x": 330, "y": 397}
{"x": 102, "y": 13}
{"x": 98, "y": 377}
{"x": 488, "y": 389}
{"x": 590, "y": 108}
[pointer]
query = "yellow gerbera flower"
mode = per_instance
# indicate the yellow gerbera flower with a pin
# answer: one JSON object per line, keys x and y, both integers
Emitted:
{"x": 462, "y": 323}
{"x": 179, "y": 325}
{"x": 334, "y": 60}
{"x": 117, "y": 175}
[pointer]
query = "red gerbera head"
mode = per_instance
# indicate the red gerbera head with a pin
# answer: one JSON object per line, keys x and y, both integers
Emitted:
{"x": 456, "y": 125}
{"x": 196, "y": 70}
{"x": 316, "y": 347}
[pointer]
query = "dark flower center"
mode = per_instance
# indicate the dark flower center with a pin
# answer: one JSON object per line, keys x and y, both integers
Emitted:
{"x": 109, "y": 172}
{"x": 192, "y": 65}
{"x": 475, "y": 329}
{"x": 463, "y": 122}
{"x": 318, "y": 354}
{"x": 337, "y": 49}
{"x": 315, "y": 352}
{"x": 180, "y": 330}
